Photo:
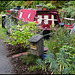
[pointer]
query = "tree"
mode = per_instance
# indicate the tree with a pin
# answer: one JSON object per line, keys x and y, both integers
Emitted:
{"x": 69, "y": 8}
{"x": 3, "y": 5}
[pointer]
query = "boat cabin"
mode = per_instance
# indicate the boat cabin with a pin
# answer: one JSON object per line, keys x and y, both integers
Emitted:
{"x": 45, "y": 18}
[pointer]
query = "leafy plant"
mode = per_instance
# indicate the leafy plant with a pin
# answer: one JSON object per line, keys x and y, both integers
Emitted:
{"x": 4, "y": 5}
{"x": 3, "y": 34}
{"x": 23, "y": 33}
{"x": 41, "y": 64}
{"x": 28, "y": 59}
{"x": 44, "y": 6}
{"x": 69, "y": 8}
{"x": 33, "y": 68}
{"x": 61, "y": 54}
{"x": 49, "y": 5}
{"x": 58, "y": 39}
{"x": 69, "y": 12}
{"x": 64, "y": 66}
{"x": 63, "y": 63}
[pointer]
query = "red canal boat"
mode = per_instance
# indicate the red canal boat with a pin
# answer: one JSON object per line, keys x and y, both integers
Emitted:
{"x": 43, "y": 18}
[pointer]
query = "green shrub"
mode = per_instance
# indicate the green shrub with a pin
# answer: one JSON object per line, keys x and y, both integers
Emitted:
{"x": 49, "y": 5}
{"x": 70, "y": 12}
{"x": 58, "y": 39}
{"x": 33, "y": 68}
{"x": 63, "y": 63}
{"x": 3, "y": 34}
{"x": 23, "y": 33}
{"x": 61, "y": 53}
{"x": 28, "y": 59}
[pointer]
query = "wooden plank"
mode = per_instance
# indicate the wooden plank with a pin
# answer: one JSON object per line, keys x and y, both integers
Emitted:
{"x": 52, "y": 17}
{"x": 69, "y": 19}
{"x": 20, "y": 54}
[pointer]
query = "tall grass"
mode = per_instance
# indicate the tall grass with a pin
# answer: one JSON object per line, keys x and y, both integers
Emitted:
{"x": 3, "y": 34}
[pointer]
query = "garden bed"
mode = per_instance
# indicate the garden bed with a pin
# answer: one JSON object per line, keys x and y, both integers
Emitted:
{"x": 15, "y": 49}
{"x": 59, "y": 45}
{"x": 21, "y": 68}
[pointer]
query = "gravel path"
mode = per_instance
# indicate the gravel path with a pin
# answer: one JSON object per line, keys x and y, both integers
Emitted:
{"x": 5, "y": 65}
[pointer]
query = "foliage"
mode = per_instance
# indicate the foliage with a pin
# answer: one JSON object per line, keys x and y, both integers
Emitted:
{"x": 27, "y": 4}
{"x": 23, "y": 33}
{"x": 3, "y": 5}
{"x": 48, "y": 6}
{"x": 70, "y": 12}
{"x": 69, "y": 3}
{"x": 17, "y": 3}
{"x": 60, "y": 57}
{"x": 69, "y": 8}
{"x": 33, "y": 68}
{"x": 28, "y": 59}
{"x": 58, "y": 4}
{"x": 63, "y": 63}
{"x": 44, "y": 6}
{"x": 35, "y": 3}
{"x": 58, "y": 39}
{"x": 51, "y": 6}
{"x": 41, "y": 64}
{"x": 3, "y": 34}
{"x": 32, "y": 4}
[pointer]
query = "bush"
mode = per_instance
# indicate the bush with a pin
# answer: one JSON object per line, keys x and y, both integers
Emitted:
{"x": 28, "y": 59}
{"x": 63, "y": 63}
{"x": 70, "y": 12}
{"x": 49, "y": 5}
{"x": 61, "y": 53}
{"x": 58, "y": 39}
{"x": 33, "y": 68}
{"x": 3, "y": 34}
{"x": 23, "y": 33}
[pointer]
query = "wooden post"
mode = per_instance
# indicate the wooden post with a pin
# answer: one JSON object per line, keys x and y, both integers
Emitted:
{"x": 52, "y": 17}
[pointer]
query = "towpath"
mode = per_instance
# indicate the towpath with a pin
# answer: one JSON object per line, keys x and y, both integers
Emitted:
{"x": 5, "y": 65}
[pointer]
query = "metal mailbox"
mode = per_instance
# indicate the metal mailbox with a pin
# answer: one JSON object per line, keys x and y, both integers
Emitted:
{"x": 36, "y": 45}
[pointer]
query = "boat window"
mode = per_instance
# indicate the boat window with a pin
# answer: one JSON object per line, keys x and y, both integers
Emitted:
{"x": 20, "y": 14}
{"x": 29, "y": 15}
{"x": 46, "y": 17}
{"x": 40, "y": 19}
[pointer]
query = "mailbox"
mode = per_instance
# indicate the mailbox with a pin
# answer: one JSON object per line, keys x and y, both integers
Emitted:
{"x": 36, "y": 45}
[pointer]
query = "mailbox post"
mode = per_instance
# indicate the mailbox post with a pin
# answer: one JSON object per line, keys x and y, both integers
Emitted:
{"x": 36, "y": 45}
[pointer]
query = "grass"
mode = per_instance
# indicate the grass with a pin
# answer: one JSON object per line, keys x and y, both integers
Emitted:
{"x": 3, "y": 34}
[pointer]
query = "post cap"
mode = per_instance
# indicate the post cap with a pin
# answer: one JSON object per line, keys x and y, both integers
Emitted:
{"x": 35, "y": 38}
